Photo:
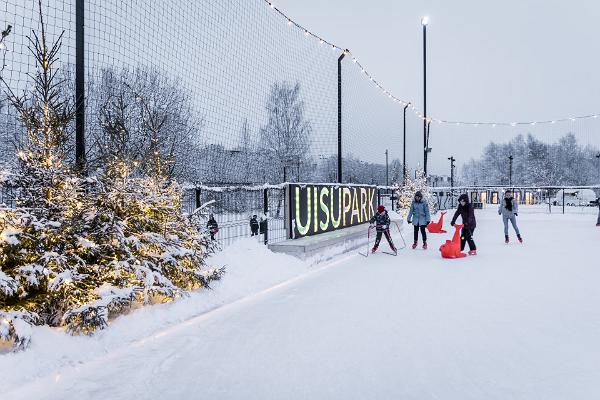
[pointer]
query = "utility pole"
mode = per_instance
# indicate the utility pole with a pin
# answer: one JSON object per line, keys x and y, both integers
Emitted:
{"x": 404, "y": 148}
{"x": 387, "y": 175}
{"x": 452, "y": 160}
{"x": 510, "y": 158}
{"x": 598, "y": 157}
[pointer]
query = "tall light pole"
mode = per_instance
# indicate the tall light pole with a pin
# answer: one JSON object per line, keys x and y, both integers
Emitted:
{"x": 424, "y": 22}
{"x": 452, "y": 160}
{"x": 404, "y": 148}
{"x": 510, "y": 159}
{"x": 339, "y": 160}
{"x": 387, "y": 176}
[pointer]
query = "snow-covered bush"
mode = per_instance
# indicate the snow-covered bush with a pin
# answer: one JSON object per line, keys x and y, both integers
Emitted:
{"x": 406, "y": 193}
{"x": 76, "y": 251}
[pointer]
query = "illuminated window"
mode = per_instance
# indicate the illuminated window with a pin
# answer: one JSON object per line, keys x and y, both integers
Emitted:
{"x": 494, "y": 197}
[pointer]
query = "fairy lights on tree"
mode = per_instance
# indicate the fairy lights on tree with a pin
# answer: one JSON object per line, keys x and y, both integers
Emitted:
{"x": 405, "y": 194}
{"x": 77, "y": 251}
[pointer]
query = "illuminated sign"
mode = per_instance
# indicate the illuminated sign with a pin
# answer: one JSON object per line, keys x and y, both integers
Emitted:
{"x": 317, "y": 209}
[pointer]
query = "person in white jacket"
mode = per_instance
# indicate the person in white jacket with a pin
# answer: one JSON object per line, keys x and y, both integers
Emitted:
{"x": 509, "y": 209}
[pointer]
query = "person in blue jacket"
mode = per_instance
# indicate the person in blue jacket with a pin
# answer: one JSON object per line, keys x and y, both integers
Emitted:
{"x": 420, "y": 218}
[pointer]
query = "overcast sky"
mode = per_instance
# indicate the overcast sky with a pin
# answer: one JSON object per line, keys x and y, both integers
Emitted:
{"x": 510, "y": 60}
{"x": 488, "y": 60}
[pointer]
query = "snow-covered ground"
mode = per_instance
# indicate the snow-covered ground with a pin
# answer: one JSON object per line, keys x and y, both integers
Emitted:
{"x": 514, "y": 322}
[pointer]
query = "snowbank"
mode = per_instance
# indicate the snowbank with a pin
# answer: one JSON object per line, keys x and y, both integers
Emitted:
{"x": 251, "y": 268}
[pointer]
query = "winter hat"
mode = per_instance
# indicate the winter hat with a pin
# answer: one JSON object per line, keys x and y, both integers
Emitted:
{"x": 381, "y": 208}
{"x": 463, "y": 197}
{"x": 419, "y": 194}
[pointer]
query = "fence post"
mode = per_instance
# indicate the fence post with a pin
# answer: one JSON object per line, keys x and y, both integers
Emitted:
{"x": 79, "y": 86}
{"x": 339, "y": 160}
{"x": 563, "y": 201}
{"x": 266, "y": 212}
{"x": 378, "y": 196}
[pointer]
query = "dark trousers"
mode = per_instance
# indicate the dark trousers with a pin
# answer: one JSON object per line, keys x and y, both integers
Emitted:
{"x": 423, "y": 233}
{"x": 254, "y": 231}
{"x": 387, "y": 236}
{"x": 467, "y": 237}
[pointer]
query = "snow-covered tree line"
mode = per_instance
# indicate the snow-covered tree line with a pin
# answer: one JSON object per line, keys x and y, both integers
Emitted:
{"x": 535, "y": 163}
{"x": 140, "y": 114}
{"x": 79, "y": 249}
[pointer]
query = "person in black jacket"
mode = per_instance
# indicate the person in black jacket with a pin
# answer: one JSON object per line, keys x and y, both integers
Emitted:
{"x": 381, "y": 219}
{"x": 254, "y": 225}
{"x": 598, "y": 204}
{"x": 466, "y": 211}
{"x": 212, "y": 226}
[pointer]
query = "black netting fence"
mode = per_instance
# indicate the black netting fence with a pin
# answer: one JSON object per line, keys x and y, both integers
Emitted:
{"x": 232, "y": 91}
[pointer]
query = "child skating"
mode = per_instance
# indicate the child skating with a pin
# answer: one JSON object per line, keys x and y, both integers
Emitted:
{"x": 381, "y": 219}
{"x": 509, "y": 209}
{"x": 467, "y": 212}
{"x": 420, "y": 218}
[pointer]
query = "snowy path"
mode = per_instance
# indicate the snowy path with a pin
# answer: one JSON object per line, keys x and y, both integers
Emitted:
{"x": 515, "y": 322}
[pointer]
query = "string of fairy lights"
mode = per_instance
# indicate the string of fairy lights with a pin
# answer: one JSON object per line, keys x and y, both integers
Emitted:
{"x": 309, "y": 34}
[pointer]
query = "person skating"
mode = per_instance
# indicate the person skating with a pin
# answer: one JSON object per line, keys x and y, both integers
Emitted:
{"x": 467, "y": 212}
{"x": 381, "y": 219}
{"x": 212, "y": 226}
{"x": 254, "y": 225}
{"x": 509, "y": 209}
{"x": 419, "y": 216}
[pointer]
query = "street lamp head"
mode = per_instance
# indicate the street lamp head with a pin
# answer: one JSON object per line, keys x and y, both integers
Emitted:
{"x": 425, "y": 21}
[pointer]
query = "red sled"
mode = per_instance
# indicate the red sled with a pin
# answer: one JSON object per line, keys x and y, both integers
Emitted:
{"x": 437, "y": 227}
{"x": 451, "y": 249}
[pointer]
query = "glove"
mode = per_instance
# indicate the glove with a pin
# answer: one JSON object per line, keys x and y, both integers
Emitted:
{"x": 427, "y": 223}
{"x": 451, "y": 223}
{"x": 516, "y": 214}
{"x": 384, "y": 227}
{"x": 409, "y": 221}
{"x": 371, "y": 226}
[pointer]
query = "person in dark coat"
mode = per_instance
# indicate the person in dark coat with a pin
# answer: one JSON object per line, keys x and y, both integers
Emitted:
{"x": 212, "y": 226}
{"x": 254, "y": 225}
{"x": 419, "y": 216}
{"x": 381, "y": 219}
{"x": 467, "y": 213}
{"x": 598, "y": 203}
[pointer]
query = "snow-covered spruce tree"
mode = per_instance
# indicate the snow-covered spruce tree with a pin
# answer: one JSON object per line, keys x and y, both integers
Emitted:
{"x": 406, "y": 193}
{"x": 76, "y": 251}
